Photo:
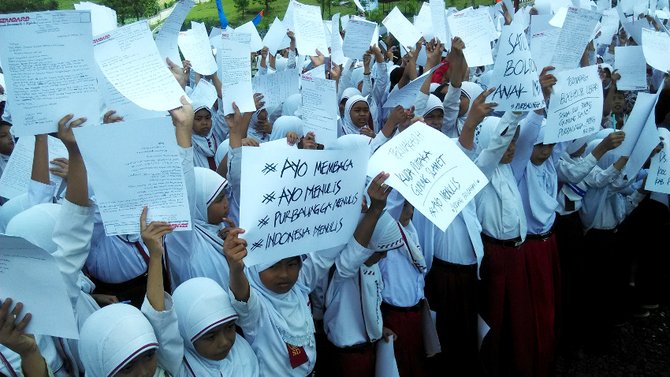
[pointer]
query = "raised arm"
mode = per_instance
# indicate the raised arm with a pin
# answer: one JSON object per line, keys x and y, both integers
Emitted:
{"x": 152, "y": 235}
{"x": 13, "y": 336}
{"x": 235, "y": 249}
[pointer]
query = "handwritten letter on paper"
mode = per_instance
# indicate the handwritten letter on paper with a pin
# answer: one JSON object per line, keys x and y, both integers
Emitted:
{"x": 49, "y": 69}
{"x": 516, "y": 77}
{"x": 319, "y": 108}
{"x": 659, "y": 171}
{"x": 576, "y": 106}
{"x": 146, "y": 172}
{"x": 299, "y": 201}
{"x": 430, "y": 171}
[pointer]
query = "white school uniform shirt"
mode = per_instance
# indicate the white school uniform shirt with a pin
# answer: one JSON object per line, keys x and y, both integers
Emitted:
{"x": 115, "y": 259}
{"x": 10, "y": 362}
{"x": 343, "y": 319}
{"x": 499, "y": 207}
{"x": 266, "y": 333}
{"x": 403, "y": 282}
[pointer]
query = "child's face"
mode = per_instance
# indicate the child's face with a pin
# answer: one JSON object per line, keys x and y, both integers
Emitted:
{"x": 360, "y": 113}
{"x": 281, "y": 277}
{"x": 143, "y": 365}
{"x": 511, "y": 149}
{"x": 218, "y": 209}
{"x": 202, "y": 122}
{"x": 435, "y": 119}
{"x": 216, "y": 344}
{"x": 6, "y": 141}
{"x": 541, "y": 153}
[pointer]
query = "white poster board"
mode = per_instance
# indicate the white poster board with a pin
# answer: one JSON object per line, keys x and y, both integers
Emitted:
{"x": 299, "y": 201}
{"x": 132, "y": 165}
{"x": 576, "y": 105}
{"x": 658, "y": 179}
{"x": 515, "y": 75}
{"x": 429, "y": 170}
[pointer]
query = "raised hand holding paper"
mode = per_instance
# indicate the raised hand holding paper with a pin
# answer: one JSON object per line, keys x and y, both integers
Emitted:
{"x": 299, "y": 201}
{"x": 430, "y": 171}
{"x": 48, "y": 65}
{"x": 515, "y": 75}
{"x": 132, "y": 165}
{"x": 129, "y": 59}
{"x": 576, "y": 106}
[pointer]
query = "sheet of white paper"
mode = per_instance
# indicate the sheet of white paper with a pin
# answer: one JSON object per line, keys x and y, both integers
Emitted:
{"x": 166, "y": 38}
{"x": 655, "y": 46}
{"x": 197, "y": 49}
{"x": 277, "y": 87}
{"x": 299, "y": 201}
{"x": 430, "y": 171}
{"x": 358, "y": 37}
{"x": 423, "y": 21}
{"x": 250, "y": 28}
{"x": 632, "y": 69}
{"x": 274, "y": 36}
{"x": 359, "y": 5}
{"x": 576, "y": 33}
{"x": 439, "y": 20}
{"x": 543, "y": 45}
{"x": 132, "y": 165}
{"x": 385, "y": 363}
{"x": 129, "y": 59}
{"x": 406, "y": 96}
{"x": 659, "y": 171}
{"x": 473, "y": 30}
{"x": 235, "y": 75}
{"x": 636, "y": 122}
{"x": 609, "y": 25}
{"x": 319, "y": 108}
{"x": 30, "y": 275}
{"x": 309, "y": 34}
{"x": 204, "y": 94}
{"x": 336, "y": 53}
{"x": 647, "y": 140}
{"x": 401, "y": 28}
{"x": 515, "y": 74}
{"x": 16, "y": 175}
{"x": 125, "y": 108}
{"x": 576, "y": 105}
{"x": 317, "y": 72}
{"x": 103, "y": 19}
{"x": 49, "y": 69}
{"x": 288, "y": 16}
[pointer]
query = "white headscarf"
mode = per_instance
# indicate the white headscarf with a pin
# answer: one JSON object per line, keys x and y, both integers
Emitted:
{"x": 208, "y": 186}
{"x": 542, "y": 185}
{"x": 112, "y": 337}
{"x": 471, "y": 91}
{"x": 357, "y": 77}
{"x": 348, "y": 126}
{"x": 349, "y": 92}
{"x": 222, "y": 151}
{"x": 289, "y": 312}
{"x": 285, "y": 124}
{"x": 292, "y": 104}
{"x": 201, "y": 305}
{"x": 432, "y": 103}
{"x": 11, "y": 208}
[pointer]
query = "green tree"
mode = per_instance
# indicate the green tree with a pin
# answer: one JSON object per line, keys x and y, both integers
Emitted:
{"x": 133, "y": 9}
{"x": 8, "y": 6}
{"x": 241, "y": 6}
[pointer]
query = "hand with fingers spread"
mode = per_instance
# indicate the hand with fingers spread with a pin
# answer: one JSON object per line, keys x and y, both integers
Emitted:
{"x": 111, "y": 117}
{"x": 65, "y": 134}
{"x": 379, "y": 191}
{"x": 60, "y": 168}
{"x": 547, "y": 81}
{"x": 12, "y": 328}
{"x": 153, "y": 233}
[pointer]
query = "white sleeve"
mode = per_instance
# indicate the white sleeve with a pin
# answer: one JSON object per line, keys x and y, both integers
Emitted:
{"x": 574, "y": 171}
{"x": 451, "y": 105}
{"x": 166, "y": 328}
{"x": 39, "y": 192}
{"x": 489, "y": 158}
{"x": 249, "y": 314}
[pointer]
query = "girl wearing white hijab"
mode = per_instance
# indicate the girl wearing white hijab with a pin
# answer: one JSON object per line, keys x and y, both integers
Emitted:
{"x": 272, "y": 300}
{"x": 204, "y": 138}
{"x": 207, "y": 326}
{"x": 285, "y": 125}
{"x": 360, "y": 119}
{"x": 198, "y": 252}
{"x": 291, "y": 105}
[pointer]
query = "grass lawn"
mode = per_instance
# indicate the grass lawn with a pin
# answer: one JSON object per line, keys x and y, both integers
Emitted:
{"x": 206, "y": 12}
